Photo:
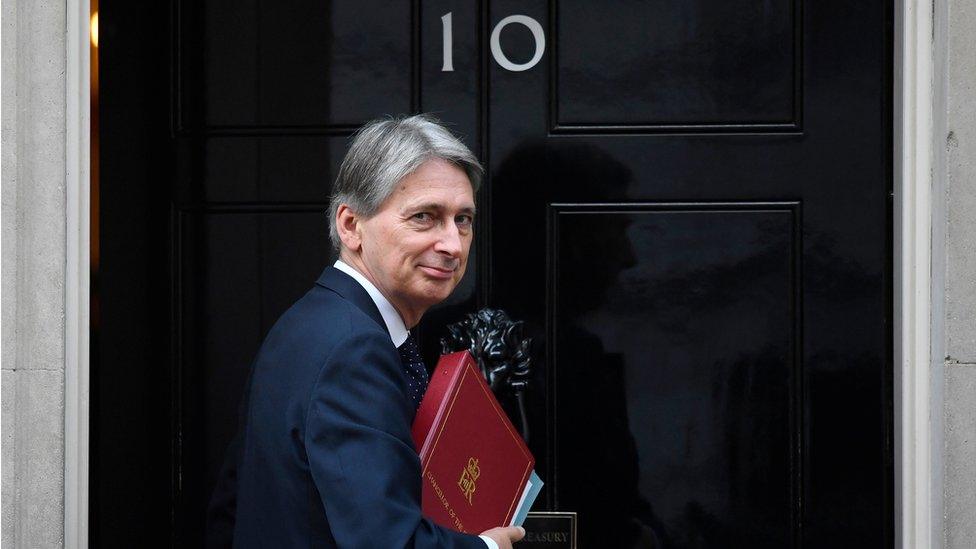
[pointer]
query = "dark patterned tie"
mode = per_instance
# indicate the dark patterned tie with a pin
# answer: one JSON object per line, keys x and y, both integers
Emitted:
{"x": 413, "y": 365}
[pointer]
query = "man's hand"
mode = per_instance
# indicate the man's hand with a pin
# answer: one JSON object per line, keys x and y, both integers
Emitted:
{"x": 505, "y": 536}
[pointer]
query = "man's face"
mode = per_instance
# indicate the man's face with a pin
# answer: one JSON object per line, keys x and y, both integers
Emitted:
{"x": 415, "y": 248}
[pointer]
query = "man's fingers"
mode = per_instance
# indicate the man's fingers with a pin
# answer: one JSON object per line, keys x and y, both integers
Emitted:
{"x": 505, "y": 536}
{"x": 513, "y": 533}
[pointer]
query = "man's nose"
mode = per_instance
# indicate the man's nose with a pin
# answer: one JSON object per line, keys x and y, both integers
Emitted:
{"x": 449, "y": 241}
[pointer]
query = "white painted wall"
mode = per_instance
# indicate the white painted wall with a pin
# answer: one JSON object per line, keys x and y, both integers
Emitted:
{"x": 33, "y": 284}
{"x": 959, "y": 268}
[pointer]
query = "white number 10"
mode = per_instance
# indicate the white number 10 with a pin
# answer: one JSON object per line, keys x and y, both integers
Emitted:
{"x": 496, "y": 48}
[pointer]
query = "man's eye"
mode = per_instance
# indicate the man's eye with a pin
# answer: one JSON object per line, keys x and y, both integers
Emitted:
{"x": 422, "y": 216}
{"x": 464, "y": 220}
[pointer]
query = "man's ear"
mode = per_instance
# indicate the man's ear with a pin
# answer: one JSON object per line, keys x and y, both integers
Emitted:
{"x": 348, "y": 226}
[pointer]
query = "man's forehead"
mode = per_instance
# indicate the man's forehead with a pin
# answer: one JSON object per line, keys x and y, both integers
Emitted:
{"x": 436, "y": 194}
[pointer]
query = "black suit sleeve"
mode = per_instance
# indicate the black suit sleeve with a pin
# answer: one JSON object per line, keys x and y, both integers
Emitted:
{"x": 361, "y": 454}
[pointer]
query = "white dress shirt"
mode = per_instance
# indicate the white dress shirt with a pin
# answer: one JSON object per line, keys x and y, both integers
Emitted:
{"x": 394, "y": 324}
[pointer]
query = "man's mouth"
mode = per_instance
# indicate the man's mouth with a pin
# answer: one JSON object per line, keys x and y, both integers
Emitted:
{"x": 438, "y": 272}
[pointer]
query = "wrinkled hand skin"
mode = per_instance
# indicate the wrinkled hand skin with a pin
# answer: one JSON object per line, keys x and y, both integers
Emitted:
{"x": 505, "y": 536}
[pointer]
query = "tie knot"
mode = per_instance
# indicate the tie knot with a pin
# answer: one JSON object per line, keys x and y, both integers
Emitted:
{"x": 409, "y": 345}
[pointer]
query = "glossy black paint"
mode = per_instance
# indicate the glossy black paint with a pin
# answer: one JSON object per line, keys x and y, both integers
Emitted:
{"x": 667, "y": 66}
{"x": 688, "y": 205}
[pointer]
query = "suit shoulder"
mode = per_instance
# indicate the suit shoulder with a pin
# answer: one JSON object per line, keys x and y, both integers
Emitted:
{"x": 324, "y": 317}
{"x": 307, "y": 340}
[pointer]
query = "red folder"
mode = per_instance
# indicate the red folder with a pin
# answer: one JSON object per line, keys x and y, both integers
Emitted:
{"x": 474, "y": 463}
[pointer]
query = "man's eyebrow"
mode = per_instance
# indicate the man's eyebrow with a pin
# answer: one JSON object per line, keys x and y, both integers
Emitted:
{"x": 425, "y": 206}
{"x": 434, "y": 206}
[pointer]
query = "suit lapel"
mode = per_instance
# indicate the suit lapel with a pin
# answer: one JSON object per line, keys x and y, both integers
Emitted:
{"x": 347, "y": 287}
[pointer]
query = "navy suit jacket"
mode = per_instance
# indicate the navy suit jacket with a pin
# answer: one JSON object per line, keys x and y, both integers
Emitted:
{"x": 326, "y": 457}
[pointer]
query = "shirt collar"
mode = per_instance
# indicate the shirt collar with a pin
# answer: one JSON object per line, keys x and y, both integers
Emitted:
{"x": 394, "y": 324}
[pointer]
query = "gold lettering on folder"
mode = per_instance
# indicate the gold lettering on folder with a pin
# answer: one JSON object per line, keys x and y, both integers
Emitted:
{"x": 468, "y": 475}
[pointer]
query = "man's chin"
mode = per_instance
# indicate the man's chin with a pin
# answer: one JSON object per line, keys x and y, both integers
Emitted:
{"x": 436, "y": 291}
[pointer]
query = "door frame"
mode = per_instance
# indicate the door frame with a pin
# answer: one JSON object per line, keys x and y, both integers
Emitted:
{"x": 77, "y": 288}
{"x": 918, "y": 169}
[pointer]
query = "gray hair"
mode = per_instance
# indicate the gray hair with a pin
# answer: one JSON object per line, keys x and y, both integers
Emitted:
{"x": 383, "y": 152}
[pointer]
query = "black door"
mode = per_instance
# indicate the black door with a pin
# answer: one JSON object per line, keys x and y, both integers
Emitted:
{"x": 688, "y": 203}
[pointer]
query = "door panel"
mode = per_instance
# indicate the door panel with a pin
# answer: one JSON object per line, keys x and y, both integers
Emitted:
{"x": 229, "y": 296}
{"x": 675, "y": 372}
{"x": 675, "y": 65}
{"x": 305, "y": 64}
{"x": 268, "y": 169}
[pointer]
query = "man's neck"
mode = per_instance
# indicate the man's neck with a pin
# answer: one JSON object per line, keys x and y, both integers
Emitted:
{"x": 390, "y": 317}
{"x": 357, "y": 264}
{"x": 410, "y": 318}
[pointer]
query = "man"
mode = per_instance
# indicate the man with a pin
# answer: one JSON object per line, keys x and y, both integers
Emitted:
{"x": 326, "y": 457}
